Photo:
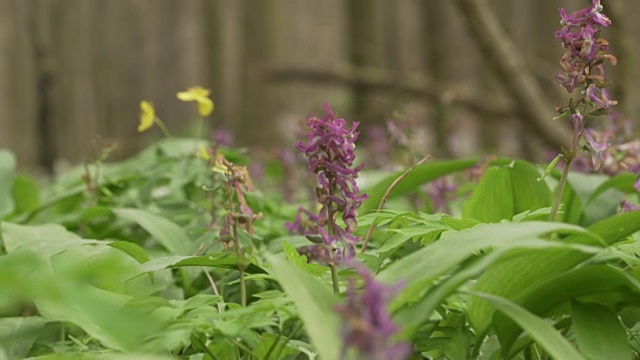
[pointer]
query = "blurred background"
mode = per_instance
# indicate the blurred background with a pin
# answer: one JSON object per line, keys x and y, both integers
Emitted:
{"x": 469, "y": 77}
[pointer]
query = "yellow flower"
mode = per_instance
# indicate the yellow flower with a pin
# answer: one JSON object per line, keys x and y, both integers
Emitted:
{"x": 147, "y": 115}
{"x": 220, "y": 165}
{"x": 200, "y": 95}
{"x": 203, "y": 153}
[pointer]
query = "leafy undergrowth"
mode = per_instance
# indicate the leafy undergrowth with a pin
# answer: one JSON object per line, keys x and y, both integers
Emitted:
{"x": 129, "y": 260}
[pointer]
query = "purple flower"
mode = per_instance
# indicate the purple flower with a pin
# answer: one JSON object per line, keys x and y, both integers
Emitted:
{"x": 590, "y": 15}
{"x": 223, "y": 137}
{"x": 367, "y": 324}
{"x": 636, "y": 185}
{"x": 580, "y": 36}
{"x": 628, "y": 206}
{"x": 595, "y": 148}
{"x": 599, "y": 97}
{"x": 302, "y": 226}
{"x": 329, "y": 148}
{"x": 440, "y": 193}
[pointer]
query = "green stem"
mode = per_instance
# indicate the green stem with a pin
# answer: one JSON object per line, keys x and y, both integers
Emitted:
{"x": 557, "y": 199}
{"x": 243, "y": 285}
{"x": 163, "y": 128}
{"x": 334, "y": 279}
{"x": 331, "y": 232}
{"x": 236, "y": 242}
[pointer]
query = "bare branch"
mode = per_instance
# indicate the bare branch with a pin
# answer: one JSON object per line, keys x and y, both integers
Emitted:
{"x": 416, "y": 86}
{"x": 504, "y": 59}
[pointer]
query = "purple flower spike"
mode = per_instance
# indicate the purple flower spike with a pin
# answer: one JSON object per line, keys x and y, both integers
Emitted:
{"x": 636, "y": 185}
{"x": 329, "y": 148}
{"x": 367, "y": 324}
{"x": 580, "y": 36}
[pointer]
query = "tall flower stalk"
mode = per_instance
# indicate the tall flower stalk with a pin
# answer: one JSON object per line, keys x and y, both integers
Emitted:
{"x": 329, "y": 147}
{"x": 582, "y": 67}
{"x": 240, "y": 216}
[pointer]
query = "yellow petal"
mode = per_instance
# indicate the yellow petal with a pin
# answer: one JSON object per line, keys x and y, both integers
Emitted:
{"x": 201, "y": 96}
{"x": 147, "y": 115}
{"x": 219, "y": 166}
{"x": 203, "y": 153}
{"x": 205, "y": 106}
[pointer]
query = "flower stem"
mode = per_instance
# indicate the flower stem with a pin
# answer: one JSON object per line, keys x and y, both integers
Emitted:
{"x": 330, "y": 230}
{"x": 163, "y": 128}
{"x": 557, "y": 199}
{"x": 236, "y": 243}
{"x": 243, "y": 285}
{"x": 334, "y": 279}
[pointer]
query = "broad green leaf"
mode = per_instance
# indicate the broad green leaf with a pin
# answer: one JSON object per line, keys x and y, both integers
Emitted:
{"x": 597, "y": 208}
{"x": 315, "y": 302}
{"x": 574, "y": 284}
{"x": 17, "y": 335}
{"x": 414, "y": 314}
{"x": 223, "y": 260}
{"x": 421, "y": 267}
{"x": 418, "y": 176}
{"x": 599, "y": 333}
{"x": 26, "y": 194}
{"x": 170, "y": 235}
{"x": 544, "y": 334}
{"x": 505, "y": 191}
{"x": 47, "y": 240}
{"x": 133, "y": 250}
{"x": 623, "y": 182}
{"x": 100, "y": 313}
{"x": 7, "y": 169}
{"x": 514, "y": 277}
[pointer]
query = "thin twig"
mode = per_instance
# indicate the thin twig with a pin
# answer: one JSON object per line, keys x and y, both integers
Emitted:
{"x": 386, "y": 195}
{"x": 213, "y": 286}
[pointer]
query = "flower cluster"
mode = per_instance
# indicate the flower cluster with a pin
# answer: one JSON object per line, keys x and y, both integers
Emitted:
{"x": 367, "y": 325}
{"x": 329, "y": 148}
{"x": 582, "y": 65}
{"x": 238, "y": 182}
{"x": 585, "y": 51}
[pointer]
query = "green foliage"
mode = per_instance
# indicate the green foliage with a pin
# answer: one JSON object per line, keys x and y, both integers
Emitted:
{"x": 132, "y": 265}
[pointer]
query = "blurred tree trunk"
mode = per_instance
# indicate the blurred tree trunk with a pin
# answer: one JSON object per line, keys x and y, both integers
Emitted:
{"x": 256, "y": 126}
{"x": 434, "y": 69}
{"x": 503, "y": 58}
{"x": 19, "y": 95}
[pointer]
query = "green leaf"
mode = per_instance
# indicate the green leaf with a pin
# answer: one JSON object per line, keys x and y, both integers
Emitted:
{"x": 100, "y": 313}
{"x": 418, "y": 176}
{"x": 574, "y": 284}
{"x": 7, "y": 169}
{"x": 26, "y": 194}
{"x": 17, "y": 335}
{"x": 505, "y": 191}
{"x": 223, "y": 260}
{"x": 598, "y": 208}
{"x": 514, "y": 277}
{"x": 425, "y": 265}
{"x": 170, "y": 235}
{"x": 131, "y": 249}
{"x": 414, "y": 314}
{"x": 315, "y": 302}
{"x": 623, "y": 182}
{"x": 47, "y": 240}
{"x": 543, "y": 333}
{"x": 599, "y": 333}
